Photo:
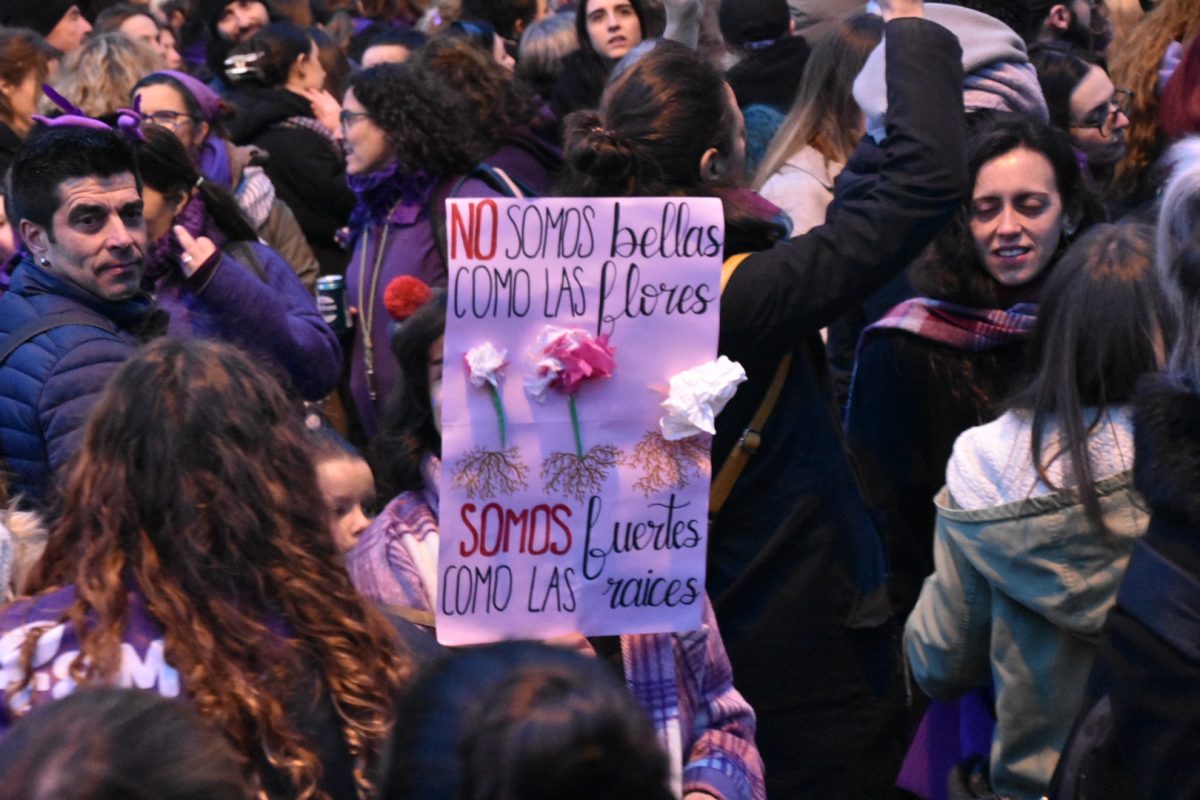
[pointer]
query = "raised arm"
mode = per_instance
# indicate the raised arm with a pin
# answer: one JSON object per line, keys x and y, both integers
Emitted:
{"x": 801, "y": 285}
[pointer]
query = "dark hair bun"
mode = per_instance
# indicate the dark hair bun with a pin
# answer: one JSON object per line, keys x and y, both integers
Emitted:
{"x": 600, "y": 156}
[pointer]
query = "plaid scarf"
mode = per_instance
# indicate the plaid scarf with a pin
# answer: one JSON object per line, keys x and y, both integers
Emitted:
{"x": 971, "y": 329}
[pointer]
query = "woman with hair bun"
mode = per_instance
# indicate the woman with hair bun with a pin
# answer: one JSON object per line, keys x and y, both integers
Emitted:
{"x": 205, "y": 265}
{"x": 275, "y": 100}
{"x": 193, "y": 558}
{"x": 795, "y": 566}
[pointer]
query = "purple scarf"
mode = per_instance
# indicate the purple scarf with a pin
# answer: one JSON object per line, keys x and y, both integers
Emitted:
{"x": 162, "y": 256}
{"x": 379, "y": 192}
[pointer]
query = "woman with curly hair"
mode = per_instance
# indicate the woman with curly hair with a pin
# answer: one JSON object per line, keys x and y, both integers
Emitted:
{"x": 409, "y": 137}
{"x": 193, "y": 558}
{"x": 521, "y": 139}
{"x": 1136, "y": 66}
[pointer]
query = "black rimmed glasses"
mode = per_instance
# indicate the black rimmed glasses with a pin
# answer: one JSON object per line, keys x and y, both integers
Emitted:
{"x": 171, "y": 120}
{"x": 1104, "y": 119}
{"x": 348, "y": 118}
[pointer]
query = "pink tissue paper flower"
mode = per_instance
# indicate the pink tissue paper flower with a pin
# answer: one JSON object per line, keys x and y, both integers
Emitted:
{"x": 566, "y": 357}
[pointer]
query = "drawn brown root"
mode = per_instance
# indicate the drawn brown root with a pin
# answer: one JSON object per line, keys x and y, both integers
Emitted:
{"x": 670, "y": 464}
{"x": 567, "y": 473}
{"x": 483, "y": 474}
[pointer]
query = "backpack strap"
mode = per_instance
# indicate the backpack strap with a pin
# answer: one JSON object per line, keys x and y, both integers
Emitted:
{"x": 751, "y": 438}
{"x": 39, "y": 325}
{"x": 1164, "y": 598}
{"x": 497, "y": 179}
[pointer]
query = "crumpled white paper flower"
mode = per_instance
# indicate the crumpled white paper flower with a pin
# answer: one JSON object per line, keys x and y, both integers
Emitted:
{"x": 484, "y": 362}
{"x": 697, "y": 395}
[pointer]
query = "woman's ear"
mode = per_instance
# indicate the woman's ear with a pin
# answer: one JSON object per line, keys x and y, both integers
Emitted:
{"x": 1070, "y": 224}
{"x": 178, "y": 201}
{"x": 713, "y": 165}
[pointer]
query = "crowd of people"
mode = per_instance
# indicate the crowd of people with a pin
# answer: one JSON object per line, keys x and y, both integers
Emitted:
{"x": 962, "y": 278}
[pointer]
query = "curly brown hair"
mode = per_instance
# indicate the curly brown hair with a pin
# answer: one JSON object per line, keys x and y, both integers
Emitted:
{"x": 194, "y": 486}
{"x": 1135, "y": 67}
{"x": 425, "y": 118}
{"x": 498, "y": 103}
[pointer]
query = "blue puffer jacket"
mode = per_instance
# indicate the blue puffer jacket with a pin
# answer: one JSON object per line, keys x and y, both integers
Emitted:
{"x": 50, "y": 383}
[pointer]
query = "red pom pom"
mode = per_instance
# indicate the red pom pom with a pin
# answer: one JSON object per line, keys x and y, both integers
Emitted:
{"x": 404, "y": 295}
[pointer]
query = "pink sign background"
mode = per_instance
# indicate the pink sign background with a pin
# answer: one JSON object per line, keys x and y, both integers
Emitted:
{"x": 535, "y": 541}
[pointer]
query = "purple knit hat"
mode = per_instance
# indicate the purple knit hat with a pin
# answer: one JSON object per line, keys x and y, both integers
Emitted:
{"x": 208, "y": 100}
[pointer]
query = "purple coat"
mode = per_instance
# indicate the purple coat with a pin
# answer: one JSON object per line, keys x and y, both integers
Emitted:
{"x": 408, "y": 248}
{"x": 273, "y": 318}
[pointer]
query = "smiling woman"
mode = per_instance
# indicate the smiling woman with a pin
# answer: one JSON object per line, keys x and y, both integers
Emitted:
{"x": 937, "y": 365}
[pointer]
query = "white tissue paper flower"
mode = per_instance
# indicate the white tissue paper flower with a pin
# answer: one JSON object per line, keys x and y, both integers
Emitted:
{"x": 484, "y": 362}
{"x": 697, "y": 395}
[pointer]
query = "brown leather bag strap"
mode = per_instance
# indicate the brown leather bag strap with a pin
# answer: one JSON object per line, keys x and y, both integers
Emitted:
{"x": 417, "y": 616}
{"x": 749, "y": 442}
{"x": 751, "y": 438}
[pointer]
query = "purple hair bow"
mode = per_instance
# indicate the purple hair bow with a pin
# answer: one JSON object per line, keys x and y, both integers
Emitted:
{"x": 128, "y": 119}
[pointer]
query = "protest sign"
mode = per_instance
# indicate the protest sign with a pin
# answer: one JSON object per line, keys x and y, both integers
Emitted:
{"x": 563, "y": 506}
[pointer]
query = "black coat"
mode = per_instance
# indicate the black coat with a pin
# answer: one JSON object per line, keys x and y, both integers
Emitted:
{"x": 796, "y": 566}
{"x": 911, "y": 398}
{"x": 307, "y": 168}
{"x": 1152, "y": 685}
{"x": 770, "y": 76}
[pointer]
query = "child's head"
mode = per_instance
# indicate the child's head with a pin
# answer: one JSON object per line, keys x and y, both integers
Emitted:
{"x": 346, "y": 483}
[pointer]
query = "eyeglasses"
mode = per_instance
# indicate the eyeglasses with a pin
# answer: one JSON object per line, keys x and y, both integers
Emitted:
{"x": 1103, "y": 119}
{"x": 171, "y": 120}
{"x": 348, "y": 118}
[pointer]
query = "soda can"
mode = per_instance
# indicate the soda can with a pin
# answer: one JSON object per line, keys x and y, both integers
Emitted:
{"x": 331, "y": 302}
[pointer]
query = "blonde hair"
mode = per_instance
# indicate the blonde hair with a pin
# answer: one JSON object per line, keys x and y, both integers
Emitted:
{"x": 99, "y": 76}
{"x": 1135, "y": 66}
{"x": 825, "y": 114}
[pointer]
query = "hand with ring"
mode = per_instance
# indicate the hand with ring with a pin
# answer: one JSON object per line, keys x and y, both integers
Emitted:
{"x": 195, "y": 251}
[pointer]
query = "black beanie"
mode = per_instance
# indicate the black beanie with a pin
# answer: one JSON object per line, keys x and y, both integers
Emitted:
{"x": 41, "y": 15}
{"x": 748, "y": 21}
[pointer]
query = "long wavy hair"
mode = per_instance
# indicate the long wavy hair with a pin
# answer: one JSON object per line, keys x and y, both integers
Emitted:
{"x": 824, "y": 113}
{"x": 1135, "y": 66}
{"x": 194, "y": 487}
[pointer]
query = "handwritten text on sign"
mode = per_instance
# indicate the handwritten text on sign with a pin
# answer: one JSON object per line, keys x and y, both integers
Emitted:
{"x": 568, "y": 511}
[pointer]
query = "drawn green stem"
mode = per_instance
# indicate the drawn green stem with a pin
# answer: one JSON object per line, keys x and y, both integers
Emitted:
{"x": 499, "y": 405}
{"x": 575, "y": 426}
